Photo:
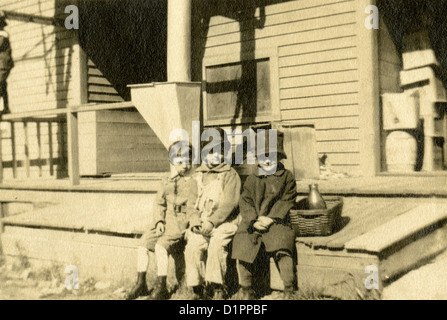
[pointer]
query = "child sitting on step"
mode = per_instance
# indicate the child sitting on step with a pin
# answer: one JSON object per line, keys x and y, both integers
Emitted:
{"x": 264, "y": 206}
{"x": 173, "y": 209}
{"x": 216, "y": 222}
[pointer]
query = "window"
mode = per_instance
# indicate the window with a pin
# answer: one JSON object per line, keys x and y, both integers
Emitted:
{"x": 238, "y": 90}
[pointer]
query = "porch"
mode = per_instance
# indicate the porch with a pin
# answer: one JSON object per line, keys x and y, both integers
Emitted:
{"x": 96, "y": 225}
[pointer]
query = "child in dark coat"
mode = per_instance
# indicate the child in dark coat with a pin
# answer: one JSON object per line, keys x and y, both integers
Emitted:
{"x": 264, "y": 207}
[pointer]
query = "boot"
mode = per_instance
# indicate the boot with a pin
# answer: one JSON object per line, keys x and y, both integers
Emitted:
{"x": 195, "y": 293}
{"x": 160, "y": 290}
{"x": 139, "y": 289}
{"x": 246, "y": 293}
{"x": 288, "y": 293}
{"x": 218, "y": 292}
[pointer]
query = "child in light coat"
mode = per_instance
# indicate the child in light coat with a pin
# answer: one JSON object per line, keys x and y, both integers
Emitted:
{"x": 173, "y": 210}
{"x": 215, "y": 224}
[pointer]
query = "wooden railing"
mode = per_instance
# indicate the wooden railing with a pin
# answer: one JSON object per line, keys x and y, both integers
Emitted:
{"x": 72, "y": 130}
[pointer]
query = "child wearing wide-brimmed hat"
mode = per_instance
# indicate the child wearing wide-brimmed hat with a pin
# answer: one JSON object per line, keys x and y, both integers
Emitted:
{"x": 216, "y": 221}
{"x": 264, "y": 206}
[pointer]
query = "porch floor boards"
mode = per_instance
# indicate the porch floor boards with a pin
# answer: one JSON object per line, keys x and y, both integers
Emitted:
{"x": 100, "y": 204}
{"x": 111, "y": 215}
{"x": 93, "y": 215}
{"x": 362, "y": 215}
{"x": 417, "y": 185}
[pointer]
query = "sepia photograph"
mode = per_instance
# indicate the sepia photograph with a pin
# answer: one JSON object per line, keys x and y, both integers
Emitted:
{"x": 223, "y": 154}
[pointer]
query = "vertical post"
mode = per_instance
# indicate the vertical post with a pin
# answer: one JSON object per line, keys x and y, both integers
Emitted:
{"x": 27, "y": 160}
{"x": 50, "y": 147}
{"x": 73, "y": 148}
{"x": 3, "y": 214}
{"x": 369, "y": 93}
{"x": 2, "y": 205}
{"x": 79, "y": 72}
{"x": 39, "y": 148}
{"x": 179, "y": 40}
{"x": 429, "y": 130}
{"x": 13, "y": 150}
{"x": 1, "y": 158}
{"x": 444, "y": 133}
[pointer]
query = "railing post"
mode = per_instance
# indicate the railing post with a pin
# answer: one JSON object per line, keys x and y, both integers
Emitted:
{"x": 13, "y": 150}
{"x": 73, "y": 147}
{"x": 27, "y": 151}
{"x": 50, "y": 147}
{"x": 1, "y": 158}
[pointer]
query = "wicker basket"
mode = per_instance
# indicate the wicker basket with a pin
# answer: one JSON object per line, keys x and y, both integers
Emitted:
{"x": 316, "y": 222}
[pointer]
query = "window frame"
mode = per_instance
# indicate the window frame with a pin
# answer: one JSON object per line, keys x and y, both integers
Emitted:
{"x": 272, "y": 56}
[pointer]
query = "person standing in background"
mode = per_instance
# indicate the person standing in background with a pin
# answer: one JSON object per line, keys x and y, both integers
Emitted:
{"x": 6, "y": 64}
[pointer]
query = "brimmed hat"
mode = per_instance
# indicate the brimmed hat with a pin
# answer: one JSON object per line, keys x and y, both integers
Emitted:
{"x": 264, "y": 148}
{"x": 223, "y": 143}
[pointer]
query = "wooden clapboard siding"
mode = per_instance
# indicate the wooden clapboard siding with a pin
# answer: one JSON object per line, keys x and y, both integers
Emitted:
{"x": 43, "y": 56}
{"x": 99, "y": 88}
{"x": 119, "y": 142}
{"x": 41, "y": 79}
{"x": 87, "y": 131}
{"x": 317, "y": 66}
{"x": 128, "y": 145}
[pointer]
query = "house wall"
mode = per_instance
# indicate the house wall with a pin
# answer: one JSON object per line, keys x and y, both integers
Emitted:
{"x": 313, "y": 48}
{"x": 41, "y": 79}
{"x": 115, "y": 141}
{"x": 52, "y": 71}
{"x": 119, "y": 142}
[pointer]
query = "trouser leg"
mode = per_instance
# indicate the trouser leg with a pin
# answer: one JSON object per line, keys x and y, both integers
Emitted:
{"x": 216, "y": 263}
{"x": 195, "y": 252}
{"x": 284, "y": 261}
{"x": 162, "y": 260}
{"x": 140, "y": 288}
{"x": 142, "y": 259}
{"x": 245, "y": 274}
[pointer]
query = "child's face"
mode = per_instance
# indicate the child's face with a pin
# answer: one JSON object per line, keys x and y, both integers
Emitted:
{"x": 268, "y": 164}
{"x": 181, "y": 165}
{"x": 213, "y": 159}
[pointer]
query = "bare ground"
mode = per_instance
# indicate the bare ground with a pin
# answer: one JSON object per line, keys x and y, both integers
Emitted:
{"x": 20, "y": 282}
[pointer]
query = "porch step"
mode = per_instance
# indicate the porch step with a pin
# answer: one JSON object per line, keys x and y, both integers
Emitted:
{"x": 98, "y": 232}
{"x": 105, "y": 213}
{"x": 397, "y": 230}
{"x": 383, "y": 254}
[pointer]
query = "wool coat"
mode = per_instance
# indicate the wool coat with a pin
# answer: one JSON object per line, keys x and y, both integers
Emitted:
{"x": 272, "y": 196}
{"x": 175, "y": 204}
{"x": 226, "y": 210}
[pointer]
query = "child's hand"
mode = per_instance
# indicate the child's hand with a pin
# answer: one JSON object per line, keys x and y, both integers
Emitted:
{"x": 259, "y": 226}
{"x": 266, "y": 221}
{"x": 196, "y": 230}
{"x": 160, "y": 228}
{"x": 207, "y": 228}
